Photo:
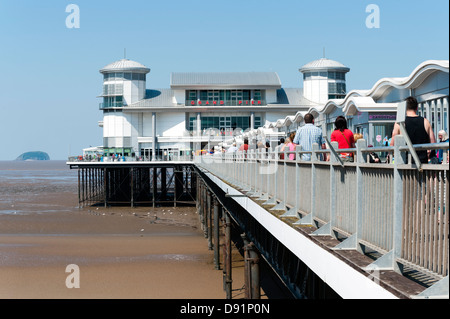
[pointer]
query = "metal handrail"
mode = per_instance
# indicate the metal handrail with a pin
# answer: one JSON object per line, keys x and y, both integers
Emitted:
{"x": 374, "y": 205}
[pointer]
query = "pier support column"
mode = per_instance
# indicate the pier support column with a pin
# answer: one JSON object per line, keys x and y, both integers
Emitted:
{"x": 208, "y": 219}
{"x": 163, "y": 171}
{"x": 204, "y": 211}
{"x": 79, "y": 191}
{"x": 83, "y": 198}
{"x": 216, "y": 234}
{"x": 153, "y": 136}
{"x": 251, "y": 269}
{"x": 105, "y": 186}
{"x": 132, "y": 186}
{"x": 227, "y": 260}
{"x": 155, "y": 185}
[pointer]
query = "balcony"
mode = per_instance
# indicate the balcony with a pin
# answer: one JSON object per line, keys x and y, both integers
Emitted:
{"x": 108, "y": 105}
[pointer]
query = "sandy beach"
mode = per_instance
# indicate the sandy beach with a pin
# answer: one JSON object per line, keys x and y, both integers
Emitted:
{"x": 121, "y": 252}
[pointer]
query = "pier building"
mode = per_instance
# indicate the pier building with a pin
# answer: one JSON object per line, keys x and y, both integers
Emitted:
{"x": 372, "y": 112}
{"x": 150, "y": 122}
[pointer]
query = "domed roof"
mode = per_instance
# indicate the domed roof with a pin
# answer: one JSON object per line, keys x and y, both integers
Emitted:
{"x": 324, "y": 64}
{"x": 125, "y": 65}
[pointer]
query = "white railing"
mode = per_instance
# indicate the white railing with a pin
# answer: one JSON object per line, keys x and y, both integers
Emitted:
{"x": 394, "y": 209}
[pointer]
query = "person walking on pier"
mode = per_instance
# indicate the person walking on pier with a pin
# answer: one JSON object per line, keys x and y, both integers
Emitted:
{"x": 418, "y": 128}
{"x": 244, "y": 147}
{"x": 344, "y": 137}
{"x": 307, "y": 135}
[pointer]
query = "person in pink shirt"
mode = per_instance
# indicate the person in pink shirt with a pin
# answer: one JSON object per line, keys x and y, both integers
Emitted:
{"x": 290, "y": 146}
{"x": 344, "y": 137}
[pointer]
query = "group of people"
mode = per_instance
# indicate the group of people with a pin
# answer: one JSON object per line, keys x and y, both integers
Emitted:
{"x": 309, "y": 134}
{"x": 418, "y": 128}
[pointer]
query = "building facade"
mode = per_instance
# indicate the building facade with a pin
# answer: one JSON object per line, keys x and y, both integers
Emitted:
{"x": 200, "y": 109}
{"x": 373, "y": 112}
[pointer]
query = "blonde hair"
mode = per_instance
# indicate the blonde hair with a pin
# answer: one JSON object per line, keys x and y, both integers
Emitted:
{"x": 357, "y": 136}
{"x": 444, "y": 135}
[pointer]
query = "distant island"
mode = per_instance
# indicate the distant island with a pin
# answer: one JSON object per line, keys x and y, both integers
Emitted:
{"x": 33, "y": 156}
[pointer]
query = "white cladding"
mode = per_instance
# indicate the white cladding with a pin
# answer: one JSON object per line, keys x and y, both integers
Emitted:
{"x": 147, "y": 129}
{"x": 170, "y": 124}
{"x": 133, "y": 91}
{"x": 316, "y": 89}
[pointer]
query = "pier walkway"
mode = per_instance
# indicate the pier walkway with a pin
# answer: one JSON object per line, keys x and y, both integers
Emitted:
{"x": 358, "y": 229}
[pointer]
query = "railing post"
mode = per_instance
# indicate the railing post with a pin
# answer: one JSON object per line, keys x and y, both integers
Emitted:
{"x": 293, "y": 212}
{"x": 270, "y": 173}
{"x": 352, "y": 242}
{"x": 264, "y": 173}
{"x": 282, "y": 204}
{"x": 360, "y": 159}
{"x": 315, "y": 147}
{"x": 389, "y": 260}
{"x": 258, "y": 175}
{"x": 399, "y": 159}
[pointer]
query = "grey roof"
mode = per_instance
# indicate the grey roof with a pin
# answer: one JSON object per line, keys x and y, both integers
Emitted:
{"x": 293, "y": 96}
{"x": 225, "y": 80}
{"x": 324, "y": 64}
{"x": 125, "y": 65}
{"x": 156, "y": 98}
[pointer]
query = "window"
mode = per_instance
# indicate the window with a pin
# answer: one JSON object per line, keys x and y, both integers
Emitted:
{"x": 113, "y": 89}
{"x": 340, "y": 76}
{"x": 257, "y": 96}
{"x": 336, "y": 88}
{"x": 224, "y": 123}
{"x": 257, "y": 121}
{"x": 112, "y": 101}
{"x": 224, "y": 97}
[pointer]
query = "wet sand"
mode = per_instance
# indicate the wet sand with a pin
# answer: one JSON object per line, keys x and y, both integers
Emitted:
{"x": 121, "y": 253}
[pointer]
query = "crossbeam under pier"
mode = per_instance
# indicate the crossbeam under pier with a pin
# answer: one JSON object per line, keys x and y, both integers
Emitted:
{"x": 135, "y": 184}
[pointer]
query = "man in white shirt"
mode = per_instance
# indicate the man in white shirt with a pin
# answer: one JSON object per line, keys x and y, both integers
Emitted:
{"x": 307, "y": 135}
{"x": 232, "y": 148}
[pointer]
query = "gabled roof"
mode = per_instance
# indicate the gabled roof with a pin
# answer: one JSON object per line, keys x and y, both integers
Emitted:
{"x": 229, "y": 80}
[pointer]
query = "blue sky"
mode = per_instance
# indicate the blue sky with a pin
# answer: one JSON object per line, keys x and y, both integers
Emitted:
{"x": 49, "y": 79}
